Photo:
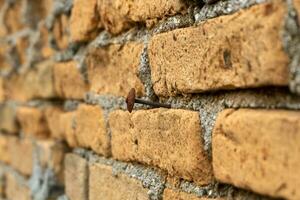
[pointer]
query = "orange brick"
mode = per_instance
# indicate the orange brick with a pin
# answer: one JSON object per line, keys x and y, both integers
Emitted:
{"x": 170, "y": 139}
{"x": 68, "y": 81}
{"x": 12, "y": 18}
{"x": 2, "y": 92}
{"x": 91, "y": 129}
{"x": 8, "y": 122}
{"x": 61, "y": 32}
{"x": 258, "y": 150}
{"x": 76, "y": 177}
{"x": 222, "y": 53}
{"x": 16, "y": 188}
{"x": 118, "y": 16}
{"x": 297, "y": 6}
{"x": 104, "y": 185}
{"x": 52, "y": 115}
{"x": 35, "y": 83}
{"x": 67, "y": 125}
{"x": 177, "y": 195}
{"x": 4, "y": 145}
{"x": 117, "y": 65}
{"x": 84, "y": 21}
{"x": 33, "y": 122}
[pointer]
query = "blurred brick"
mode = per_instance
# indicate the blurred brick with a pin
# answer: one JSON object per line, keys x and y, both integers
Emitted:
{"x": 167, "y": 138}
{"x": 16, "y": 187}
{"x": 4, "y": 145}
{"x": 91, "y": 129}
{"x": 242, "y": 50}
{"x": 2, "y": 92}
{"x": 61, "y": 32}
{"x": 177, "y": 195}
{"x": 76, "y": 177}
{"x": 258, "y": 150}
{"x": 8, "y": 122}
{"x": 103, "y": 184}
{"x": 68, "y": 81}
{"x": 52, "y": 115}
{"x": 117, "y": 65}
{"x": 67, "y": 124}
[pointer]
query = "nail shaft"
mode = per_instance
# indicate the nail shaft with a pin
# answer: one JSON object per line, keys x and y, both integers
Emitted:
{"x": 150, "y": 103}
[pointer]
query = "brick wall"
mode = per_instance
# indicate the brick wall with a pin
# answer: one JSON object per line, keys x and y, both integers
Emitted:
{"x": 229, "y": 70}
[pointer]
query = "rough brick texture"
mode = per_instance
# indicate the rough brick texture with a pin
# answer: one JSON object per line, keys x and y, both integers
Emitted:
{"x": 117, "y": 65}
{"x": 176, "y": 195}
{"x": 169, "y": 139}
{"x": 222, "y": 53}
{"x": 261, "y": 145}
{"x": 103, "y": 184}
{"x": 16, "y": 188}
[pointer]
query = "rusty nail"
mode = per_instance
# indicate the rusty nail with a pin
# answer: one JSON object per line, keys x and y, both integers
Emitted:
{"x": 131, "y": 100}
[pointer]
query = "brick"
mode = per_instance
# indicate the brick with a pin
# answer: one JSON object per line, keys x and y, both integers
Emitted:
{"x": 8, "y": 122}
{"x": 76, "y": 177}
{"x": 33, "y": 122}
{"x": 251, "y": 145}
{"x": 67, "y": 126}
{"x": 35, "y": 83}
{"x": 16, "y": 187}
{"x": 52, "y": 116}
{"x": 4, "y": 145}
{"x": 177, "y": 195}
{"x": 117, "y": 65}
{"x": 297, "y": 6}
{"x": 16, "y": 151}
{"x": 222, "y": 53}
{"x": 68, "y": 81}
{"x": 85, "y": 20}
{"x": 5, "y": 66}
{"x": 170, "y": 139}
{"x": 61, "y": 32}
{"x": 12, "y": 18}
{"x": 104, "y": 185}
{"x": 118, "y": 16}
{"x": 2, "y": 92}
{"x": 90, "y": 129}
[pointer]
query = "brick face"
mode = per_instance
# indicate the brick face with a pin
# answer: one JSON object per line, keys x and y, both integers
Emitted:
{"x": 90, "y": 129}
{"x": 16, "y": 189}
{"x": 169, "y": 139}
{"x": 177, "y": 195}
{"x": 103, "y": 184}
{"x": 76, "y": 177}
{"x": 252, "y": 145}
{"x": 117, "y": 65}
{"x": 8, "y": 122}
{"x": 222, "y": 53}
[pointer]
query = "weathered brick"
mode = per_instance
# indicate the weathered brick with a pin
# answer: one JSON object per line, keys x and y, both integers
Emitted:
{"x": 8, "y": 122}
{"x": 85, "y": 20}
{"x": 177, "y": 195}
{"x": 297, "y": 6}
{"x": 258, "y": 150}
{"x": 76, "y": 177}
{"x": 4, "y": 145}
{"x": 16, "y": 187}
{"x": 104, "y": 185}
{"x": 36, "y": 83}
{"x": 67, "y": 125}
{"x": 52, "y": 116}
{"x": 33, "y": 122}
{"x": 61, "y": 32}
{"x": 117, "y": 65}
{"x": 242, "y": 50}
{"x": 169, "y": 139}
{"x": 90, "y": 129}
{"x": 12, "y": 19}
{"x": 119, "y": 15}
{"x": 2, "y": 92}
{"x": 68, "y": 81}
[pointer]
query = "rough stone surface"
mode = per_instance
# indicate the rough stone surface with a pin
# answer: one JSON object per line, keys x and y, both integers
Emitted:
{"x": 4, "y": 145}
{"x": 52, "y": 116}
{"x": 297, "y": 6}
{"x": 222, "y": 53}
{"x": 251, "y": 145}
{"x": 169, "y": 139}
{"x": 67, "y": 126}
{"x": 104, "y": 184}
{"x": 8, "y": 122}
{"x": 33, "y": 122}
{"x": 2, "y": 92}
{"x": 84, "y": 21}
{"x": 90, "y": 129}
{"x": 114, "y": 69}
{"x": 177, "y": 195}
{"x": 68, "y": 81}
{"x": 16, "y": 188}
{"x": 76, "y": 177}
{"x": 35, "y": 83}
{"x": 120, "y": 15}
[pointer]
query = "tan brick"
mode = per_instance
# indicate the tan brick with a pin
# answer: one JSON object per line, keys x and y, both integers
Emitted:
{"x": 2, "y": 92}
{"x": 33, "y": 122}
{"x": 242, "y": 50}
{"x": 68, "y": 81}
{"x": 91, "y": 129}
{"x": 17, "y": 148}
{"x": 104, "y": 185}
{"x": 119, "y": 15}
{"x": 67, "y": 125}
{"x": 52, "y": 116}
{"x": 36, "y": 83}
{"x": 84, "y": 21}
{"x": 258, "y": 150}
{"x": 61, "y": 32}
{"x": 117, "y": 65}
{"x": 170, "y": 139}
{"x": 12, "y": 18}
{"x": 4, "y": 145}
{"x": 8, "y": 122}
{"x": 76, "y": 177}
{"x": 16, "y": 188}
{"x": 5, "y": 65}
{"x": 177, "y": 195}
